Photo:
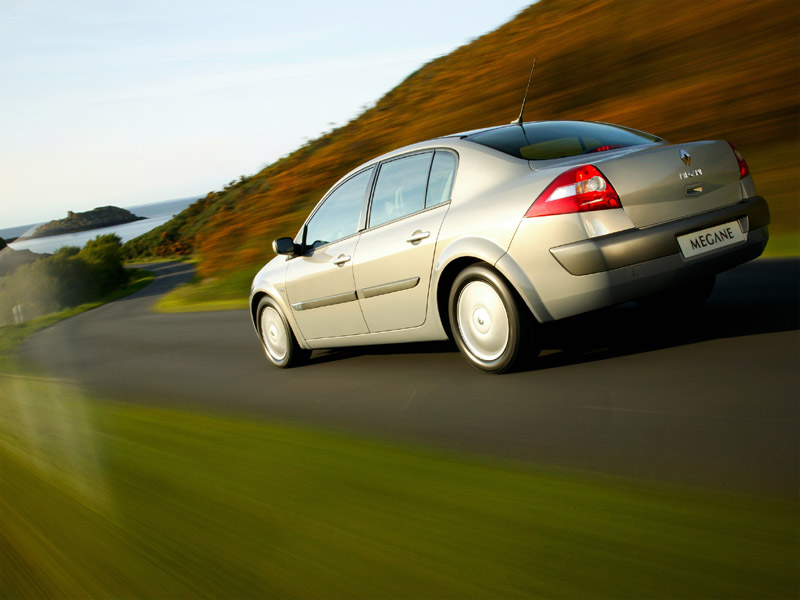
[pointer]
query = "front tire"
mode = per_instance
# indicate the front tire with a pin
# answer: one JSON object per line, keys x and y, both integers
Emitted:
{"x": 485, "y": 319}
{"x": 280, "y": 344}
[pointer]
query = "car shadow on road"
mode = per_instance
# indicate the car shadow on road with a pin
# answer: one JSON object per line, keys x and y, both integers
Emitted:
{"x": 415, "y": 348}
{"x": 758, "y": 298}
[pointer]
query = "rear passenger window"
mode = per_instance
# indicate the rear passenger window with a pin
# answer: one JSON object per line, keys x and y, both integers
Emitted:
{"x": 400, "y": 189}
{"x": 440, "y": 182}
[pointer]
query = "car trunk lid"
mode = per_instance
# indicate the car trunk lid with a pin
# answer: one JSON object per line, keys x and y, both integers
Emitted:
{"x": 663, "y": 183}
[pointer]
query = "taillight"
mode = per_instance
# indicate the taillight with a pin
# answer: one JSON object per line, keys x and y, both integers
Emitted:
{"x": 744, "y": 170}
{"x": 580, "y": 189}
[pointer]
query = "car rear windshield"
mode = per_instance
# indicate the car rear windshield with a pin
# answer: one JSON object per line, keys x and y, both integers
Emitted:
{"x": 559, "y": 139}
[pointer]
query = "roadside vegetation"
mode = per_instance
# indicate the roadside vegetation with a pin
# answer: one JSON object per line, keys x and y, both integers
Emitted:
{"x": 48, "y": 288}
{"x": 70, "y": 277}
{"x": 111, "y": 500}
{"x": 734, "y": 77}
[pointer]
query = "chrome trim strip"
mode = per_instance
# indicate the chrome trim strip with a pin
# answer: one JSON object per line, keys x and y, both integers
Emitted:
{"x": 388, "y": 288}
{"x": 327, "y": 301}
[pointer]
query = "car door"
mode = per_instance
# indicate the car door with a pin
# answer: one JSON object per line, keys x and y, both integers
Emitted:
{"x": 394, "y": 258}
{"x": 319, "y": 283}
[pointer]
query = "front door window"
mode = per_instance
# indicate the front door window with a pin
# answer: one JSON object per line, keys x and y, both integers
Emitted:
{"x": 338, "y": 217}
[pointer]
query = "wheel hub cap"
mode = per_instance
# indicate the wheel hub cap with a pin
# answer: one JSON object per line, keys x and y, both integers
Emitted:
{"x": 274, "y": 334}
{"x": 482, "y": 320}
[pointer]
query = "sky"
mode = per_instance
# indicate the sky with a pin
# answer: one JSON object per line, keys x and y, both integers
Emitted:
{"x": 111, "y": 102}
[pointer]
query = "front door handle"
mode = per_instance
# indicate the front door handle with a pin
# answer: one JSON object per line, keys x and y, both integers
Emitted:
{"x": 418, "y": 236}
{"x": 341, "y": 259}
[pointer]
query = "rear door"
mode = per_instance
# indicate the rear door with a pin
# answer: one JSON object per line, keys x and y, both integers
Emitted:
{"x": 394, "y": 258}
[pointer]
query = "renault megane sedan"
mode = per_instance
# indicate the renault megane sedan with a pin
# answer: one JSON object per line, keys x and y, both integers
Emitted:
{"x": 483, "y": 235}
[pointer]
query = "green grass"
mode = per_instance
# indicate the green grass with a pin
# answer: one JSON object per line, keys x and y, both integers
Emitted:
{"x": 120, "y": 501}
{"x": 12, "y": 335}
{"x": 182, "y": 302}
{"x": 146, "y": 260}
{"x": 217, "y": 294}
{"x": 782, "y": 245}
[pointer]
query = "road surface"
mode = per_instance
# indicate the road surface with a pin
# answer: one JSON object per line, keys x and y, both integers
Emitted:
{"x": 709, "y": 400}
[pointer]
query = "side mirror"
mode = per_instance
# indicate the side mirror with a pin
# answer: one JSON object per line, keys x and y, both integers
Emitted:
{"x": 285, "y": 246}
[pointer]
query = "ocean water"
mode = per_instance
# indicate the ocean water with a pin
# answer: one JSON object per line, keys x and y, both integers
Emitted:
{"x": 155, "y": 213}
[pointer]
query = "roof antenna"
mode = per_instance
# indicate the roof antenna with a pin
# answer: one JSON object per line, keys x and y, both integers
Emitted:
{"x": 518, "y": 120}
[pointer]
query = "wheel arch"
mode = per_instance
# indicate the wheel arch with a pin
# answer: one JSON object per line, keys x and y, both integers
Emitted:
{"x": 255, "y": 299}
{"x": 466, "y": 252}
{"x": 446, "y": 279}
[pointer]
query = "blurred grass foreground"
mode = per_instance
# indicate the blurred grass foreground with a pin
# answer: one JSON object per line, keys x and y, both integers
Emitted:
{"x": 109, "y": 500}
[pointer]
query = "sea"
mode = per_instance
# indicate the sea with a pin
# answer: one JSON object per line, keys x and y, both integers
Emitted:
{"x": 155, "y": 213}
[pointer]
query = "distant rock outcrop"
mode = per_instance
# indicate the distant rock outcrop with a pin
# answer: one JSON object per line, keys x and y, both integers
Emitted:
{"x": 105, "y": 216}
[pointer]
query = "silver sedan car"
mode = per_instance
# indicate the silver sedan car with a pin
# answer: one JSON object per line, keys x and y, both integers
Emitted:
{"x": 483, "y": 235}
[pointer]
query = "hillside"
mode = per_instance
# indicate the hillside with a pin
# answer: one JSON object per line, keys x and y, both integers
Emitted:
{"x": 679, "y": 69}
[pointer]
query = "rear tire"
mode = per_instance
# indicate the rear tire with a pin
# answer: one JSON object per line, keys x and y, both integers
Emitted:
{"x": 486, "y": 320}
{"x": 280, "y": 344}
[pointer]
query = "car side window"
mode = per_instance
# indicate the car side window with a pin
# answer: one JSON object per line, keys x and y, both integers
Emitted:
{"x": 400, "y": 189}
{"x": 338, "y": 217}
{"x": 440, "y": 182}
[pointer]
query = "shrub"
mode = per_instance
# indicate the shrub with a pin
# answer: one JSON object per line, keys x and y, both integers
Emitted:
{"x": 67, "y": 278}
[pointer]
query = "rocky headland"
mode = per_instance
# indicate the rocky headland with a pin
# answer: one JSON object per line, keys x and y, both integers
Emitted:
{"x": 105, "y": 216}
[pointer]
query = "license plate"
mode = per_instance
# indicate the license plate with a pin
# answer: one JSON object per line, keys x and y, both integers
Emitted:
{"x": 708, "y": 240}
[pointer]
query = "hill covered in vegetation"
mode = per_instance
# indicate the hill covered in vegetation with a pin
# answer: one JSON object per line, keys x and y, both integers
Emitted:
{"x": 680, "y": 69}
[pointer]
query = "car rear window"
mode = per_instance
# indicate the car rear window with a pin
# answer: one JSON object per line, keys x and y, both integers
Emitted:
{"x": 559, "y": 139}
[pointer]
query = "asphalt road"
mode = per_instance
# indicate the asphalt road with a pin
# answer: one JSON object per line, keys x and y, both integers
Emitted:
{"x": 711, "y": 399}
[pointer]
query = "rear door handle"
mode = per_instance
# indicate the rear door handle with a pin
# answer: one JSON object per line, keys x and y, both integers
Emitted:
{"x": 341, "y": 259}
{"x": 418, "y": 236}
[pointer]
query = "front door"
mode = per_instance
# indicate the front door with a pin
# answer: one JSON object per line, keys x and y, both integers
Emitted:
{"x": 320, "y": 283}
{"x": 322, "y": 292}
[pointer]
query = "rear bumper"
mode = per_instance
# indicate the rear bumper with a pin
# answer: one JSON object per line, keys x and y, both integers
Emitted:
{"x": 560, "y": 280}
{"x": 632, "y": 246}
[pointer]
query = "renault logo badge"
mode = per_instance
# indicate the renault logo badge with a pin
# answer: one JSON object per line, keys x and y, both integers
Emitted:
{"x": 686, "y": 158}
